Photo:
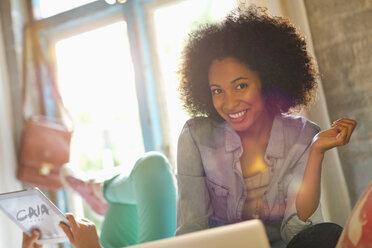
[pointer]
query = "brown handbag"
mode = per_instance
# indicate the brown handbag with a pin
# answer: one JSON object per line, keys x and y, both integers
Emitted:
{"x": 45, "y": 144}
{"x": 45, "y": 148}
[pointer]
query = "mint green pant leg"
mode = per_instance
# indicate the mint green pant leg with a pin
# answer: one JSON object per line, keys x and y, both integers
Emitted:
{"x": 155, "y": 191}
{"x": 120, "y": 226}
{"x": 142, "y": 207}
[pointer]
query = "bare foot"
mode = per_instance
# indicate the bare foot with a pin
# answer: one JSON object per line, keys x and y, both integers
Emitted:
{"x": 85, "y": 189}
{"x": 89, "y": 189}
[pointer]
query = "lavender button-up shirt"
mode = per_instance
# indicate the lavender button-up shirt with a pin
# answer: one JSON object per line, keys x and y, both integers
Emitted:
{"x": 211, "y": 187}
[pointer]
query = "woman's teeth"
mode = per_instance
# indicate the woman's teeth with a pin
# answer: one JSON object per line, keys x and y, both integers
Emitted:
{"x": 237, "y": 115}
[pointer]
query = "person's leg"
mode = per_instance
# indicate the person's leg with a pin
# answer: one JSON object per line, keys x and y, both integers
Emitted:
{"x": 151, "y": 190}
{"x": 323, "y": 235}
{"x": 120, "y": 226}
{"x": 155, "y": 192}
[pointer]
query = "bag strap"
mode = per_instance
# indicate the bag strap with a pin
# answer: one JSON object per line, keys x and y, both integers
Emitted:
{"x": 39, "y": 59}
{"x": 25, "y": 62}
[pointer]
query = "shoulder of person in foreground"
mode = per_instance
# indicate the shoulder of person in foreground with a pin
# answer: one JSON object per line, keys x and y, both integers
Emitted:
{"x": 358, "y": 229}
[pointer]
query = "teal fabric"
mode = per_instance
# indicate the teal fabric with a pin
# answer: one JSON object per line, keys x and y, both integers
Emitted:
{"x": 142, "y": 207}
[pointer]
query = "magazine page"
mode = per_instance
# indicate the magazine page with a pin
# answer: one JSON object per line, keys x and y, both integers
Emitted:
{"x": 31, "y": 209}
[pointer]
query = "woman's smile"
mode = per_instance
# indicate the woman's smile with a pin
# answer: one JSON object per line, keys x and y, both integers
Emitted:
{"x": 238, "y": 116}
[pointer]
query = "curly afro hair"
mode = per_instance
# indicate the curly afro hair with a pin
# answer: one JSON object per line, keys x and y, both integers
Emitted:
{"x": 269, "y": 45}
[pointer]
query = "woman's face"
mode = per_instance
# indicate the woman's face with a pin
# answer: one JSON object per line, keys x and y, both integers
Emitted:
{"x": 236, "y": 94}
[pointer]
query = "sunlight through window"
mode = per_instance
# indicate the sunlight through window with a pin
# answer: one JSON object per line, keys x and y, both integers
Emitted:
{"x": 96, "y": 79}
{"x": 47, "y": 8}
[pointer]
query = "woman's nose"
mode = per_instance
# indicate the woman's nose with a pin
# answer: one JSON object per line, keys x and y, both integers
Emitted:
{"x": 230, "y": 102}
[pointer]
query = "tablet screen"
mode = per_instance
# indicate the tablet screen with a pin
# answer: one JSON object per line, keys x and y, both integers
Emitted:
{"x": 31, "y": 209}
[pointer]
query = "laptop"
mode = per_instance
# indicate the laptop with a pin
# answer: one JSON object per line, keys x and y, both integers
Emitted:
{"x": 247, "y": 234}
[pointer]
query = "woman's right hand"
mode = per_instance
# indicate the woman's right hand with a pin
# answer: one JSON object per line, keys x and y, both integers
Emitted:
{"x": 81, "y": 233}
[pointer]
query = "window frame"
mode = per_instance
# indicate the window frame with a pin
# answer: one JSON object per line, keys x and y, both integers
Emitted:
{"x": 94, "y": 15}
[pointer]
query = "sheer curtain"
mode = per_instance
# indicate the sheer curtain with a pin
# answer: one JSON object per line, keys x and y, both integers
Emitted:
{"x": 335, "y": 199}
{"x": 10, "y": 234}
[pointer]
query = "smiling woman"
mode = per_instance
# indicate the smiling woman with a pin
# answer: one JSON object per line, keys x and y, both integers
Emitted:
{"x": 241, "y": 88}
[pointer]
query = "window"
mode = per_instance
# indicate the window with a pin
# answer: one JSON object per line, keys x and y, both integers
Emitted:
{"x": 96, "y": 79}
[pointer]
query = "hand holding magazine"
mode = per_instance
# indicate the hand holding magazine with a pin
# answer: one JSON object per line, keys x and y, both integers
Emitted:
{"x": 30, "y": 209}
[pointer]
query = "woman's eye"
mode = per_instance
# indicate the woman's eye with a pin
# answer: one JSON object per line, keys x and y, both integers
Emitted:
{"x": 216, "y": 91}
{"x": 242, "y": 86}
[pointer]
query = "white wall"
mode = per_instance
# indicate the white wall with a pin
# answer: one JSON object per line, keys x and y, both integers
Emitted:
{"x": 10, "y": 234}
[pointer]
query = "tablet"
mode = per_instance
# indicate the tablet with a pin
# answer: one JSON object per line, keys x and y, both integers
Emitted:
{"x": 30, "y": 209}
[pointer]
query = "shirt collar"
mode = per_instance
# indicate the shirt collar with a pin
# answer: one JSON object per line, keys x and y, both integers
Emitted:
{"x": 232, "y": 139}
{"x": 275, "y": 148}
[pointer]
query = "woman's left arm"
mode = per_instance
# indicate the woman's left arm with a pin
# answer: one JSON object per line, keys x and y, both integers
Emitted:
{"x": 339, "y": 134}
